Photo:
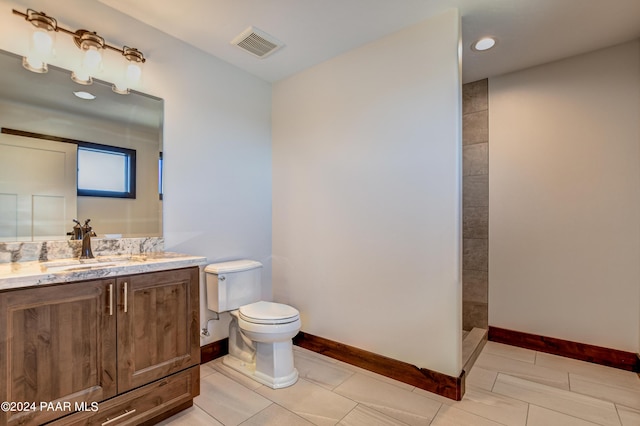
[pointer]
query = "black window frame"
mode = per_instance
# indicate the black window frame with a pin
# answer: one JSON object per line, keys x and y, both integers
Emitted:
{"x": 131, "y": 155}
{"x": 131, "y": 178}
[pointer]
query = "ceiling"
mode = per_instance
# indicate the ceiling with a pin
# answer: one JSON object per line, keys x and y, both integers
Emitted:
{"x": 529, "y": 32}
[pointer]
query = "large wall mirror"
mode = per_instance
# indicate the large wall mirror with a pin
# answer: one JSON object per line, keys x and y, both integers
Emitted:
{"x": 38, "y": 176}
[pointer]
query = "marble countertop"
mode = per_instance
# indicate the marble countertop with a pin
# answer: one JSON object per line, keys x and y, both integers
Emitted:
{"x": 28, "y": 274}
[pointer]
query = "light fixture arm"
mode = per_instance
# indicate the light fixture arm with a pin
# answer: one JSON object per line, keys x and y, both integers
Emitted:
{"x": 41, "y": 20}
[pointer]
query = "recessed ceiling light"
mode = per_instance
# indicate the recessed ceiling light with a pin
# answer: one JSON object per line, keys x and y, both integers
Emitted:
{"x": 84, "y": 95}
{"x": 485, "y": 43}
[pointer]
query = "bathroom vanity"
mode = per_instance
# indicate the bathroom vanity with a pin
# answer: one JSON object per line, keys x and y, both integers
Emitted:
{"x": 113, "y": 340}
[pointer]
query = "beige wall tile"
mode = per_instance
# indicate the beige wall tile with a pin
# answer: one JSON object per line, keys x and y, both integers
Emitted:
{"x": 475, "y": 128}
{"x": 475, "y": 216}
{"x": 475, "y": 159}
{"x": 475, "y": 191}
{"x": 474, "y": 314}
{"x": 475, "y": 96}
{"x": 475, "y": 286}
{"x": 475, "y": 254}
{"x": 475, "y": 222}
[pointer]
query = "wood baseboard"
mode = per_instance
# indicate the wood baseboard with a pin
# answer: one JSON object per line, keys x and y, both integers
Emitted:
{"x": 214, "y": 350}
{"x": 596, "y": 354}
{"x": 432, "y": 381}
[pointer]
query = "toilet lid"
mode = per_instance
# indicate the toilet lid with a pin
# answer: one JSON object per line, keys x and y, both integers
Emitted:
{"x": 268, "y": 313}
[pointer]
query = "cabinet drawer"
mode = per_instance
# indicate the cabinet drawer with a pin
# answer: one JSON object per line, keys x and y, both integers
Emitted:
{"x": 142, "y": 404}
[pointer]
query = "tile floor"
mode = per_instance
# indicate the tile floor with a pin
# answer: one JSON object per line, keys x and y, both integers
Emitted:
{"x": 506, "y": 386}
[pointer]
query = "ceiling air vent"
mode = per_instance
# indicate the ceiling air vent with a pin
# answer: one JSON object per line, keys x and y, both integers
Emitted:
{"x": 257, "y": 42}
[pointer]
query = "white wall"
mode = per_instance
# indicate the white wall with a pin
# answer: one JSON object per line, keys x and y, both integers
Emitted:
{"x": 366, "y": 196}
{"x": 217, "y": 137}
{"x": 564, "y": 242}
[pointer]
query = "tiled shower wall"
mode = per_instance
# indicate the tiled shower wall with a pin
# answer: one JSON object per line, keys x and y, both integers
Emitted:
{"x": 475, "y": 204}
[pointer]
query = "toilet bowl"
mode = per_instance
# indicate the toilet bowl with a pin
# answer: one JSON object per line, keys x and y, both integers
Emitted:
{"x": 267, "y": 329}
{"x": 260, "y": 332}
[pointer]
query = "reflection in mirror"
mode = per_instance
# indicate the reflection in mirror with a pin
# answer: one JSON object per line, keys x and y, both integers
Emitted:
{"x": 38, "y": 178}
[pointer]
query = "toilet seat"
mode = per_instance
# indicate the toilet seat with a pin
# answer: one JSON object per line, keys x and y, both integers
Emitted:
{"x": 268, "y": 313}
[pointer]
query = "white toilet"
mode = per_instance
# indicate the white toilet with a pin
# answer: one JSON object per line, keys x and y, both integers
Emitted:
{"x": 260, "y": 332}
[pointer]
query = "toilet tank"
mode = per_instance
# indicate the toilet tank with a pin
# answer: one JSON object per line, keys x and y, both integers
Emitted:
{"x": 232, "y": 284}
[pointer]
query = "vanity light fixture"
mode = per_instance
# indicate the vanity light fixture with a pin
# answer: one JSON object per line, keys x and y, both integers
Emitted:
{"x": 483, "y": 44}
{"x": 133, "y": 60}
{"x": 91, "y": 45}
{"x": 41, "y": 41}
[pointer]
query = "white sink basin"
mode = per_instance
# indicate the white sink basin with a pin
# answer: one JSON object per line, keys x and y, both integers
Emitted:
{"x": 95, "y": 263}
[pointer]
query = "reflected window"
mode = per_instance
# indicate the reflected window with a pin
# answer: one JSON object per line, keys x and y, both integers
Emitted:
{"x": 106, "y": 171}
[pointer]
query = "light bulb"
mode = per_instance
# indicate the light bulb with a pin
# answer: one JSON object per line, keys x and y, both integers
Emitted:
{"x": 92, "y": 60}
{"x": 42, "y": 43}
{"x": 133, "y": 74}
{"x": 32, "y": 63}
{"x": 81, "y": 76}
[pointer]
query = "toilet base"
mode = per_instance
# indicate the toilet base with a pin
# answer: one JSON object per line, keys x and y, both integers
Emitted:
{"x": 249, "y": 370}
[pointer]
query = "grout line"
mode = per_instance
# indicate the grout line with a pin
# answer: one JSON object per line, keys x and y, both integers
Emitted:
{"x": 349, "y": 412}
{"x": 618, "y": 413}
{"x": 514, "y": 359}
{"x": 493, "y": 385}
{"x": 255, "y": 414}
{"x": 436, "y": 415}
{"x": 207, "y": 413}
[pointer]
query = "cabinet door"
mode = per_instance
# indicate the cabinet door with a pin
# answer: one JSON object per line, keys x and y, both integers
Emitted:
{"x": 57, "y": 345}
{"x": 158, "y": 317}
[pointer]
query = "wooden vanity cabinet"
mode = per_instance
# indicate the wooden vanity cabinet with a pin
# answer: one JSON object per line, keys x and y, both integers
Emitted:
{"x": 130, "y": 344}
{"x": 158, "y": 316}
{"x": 57, "y": 344}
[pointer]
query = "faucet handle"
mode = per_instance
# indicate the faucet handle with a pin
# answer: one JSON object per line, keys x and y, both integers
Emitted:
{"x": 76, "y": 232}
